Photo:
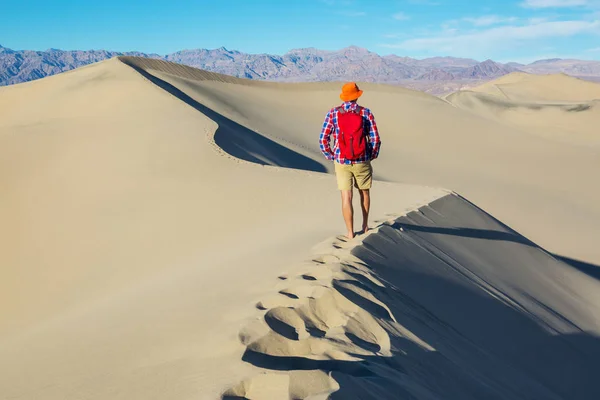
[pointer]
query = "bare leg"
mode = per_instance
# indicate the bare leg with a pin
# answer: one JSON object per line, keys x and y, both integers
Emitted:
{"x": 365, "y": 205}
{"x": 348, "y": 211}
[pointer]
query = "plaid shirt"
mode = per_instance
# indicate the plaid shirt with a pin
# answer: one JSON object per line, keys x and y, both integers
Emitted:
{"x": 330, "y": 127}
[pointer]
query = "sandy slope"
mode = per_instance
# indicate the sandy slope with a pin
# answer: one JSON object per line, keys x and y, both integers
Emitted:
{"x": 529, "y": 87}
{"x": 132, "y": 250}
{"x": 141, "y": 230}
{"x": 557, "y": 107}
{"x": 519, "y": 178}
{"x": 445, "y": 302}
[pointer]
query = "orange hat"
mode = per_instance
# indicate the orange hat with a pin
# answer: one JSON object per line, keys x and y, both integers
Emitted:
{"x": 350, "y": 91}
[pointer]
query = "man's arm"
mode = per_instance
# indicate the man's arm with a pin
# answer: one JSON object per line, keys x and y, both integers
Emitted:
{"x": 374, "y": 138}
{"x": 325, "y": 135}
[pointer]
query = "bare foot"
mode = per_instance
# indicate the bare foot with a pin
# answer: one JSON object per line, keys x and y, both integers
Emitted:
{"x": 350, "y": 235}
{"x": 365, "y": 229}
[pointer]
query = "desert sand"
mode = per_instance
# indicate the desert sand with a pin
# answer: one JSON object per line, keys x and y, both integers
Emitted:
{"x": 169, "y": 233}
{"x": 557, "y": 107}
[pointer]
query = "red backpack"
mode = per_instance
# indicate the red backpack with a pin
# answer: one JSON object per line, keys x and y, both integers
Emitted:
{"x": 352, "y": 140}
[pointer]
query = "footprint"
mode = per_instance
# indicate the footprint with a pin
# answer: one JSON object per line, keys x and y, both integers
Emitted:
{"x": 372, "y": 347}
{"x": 315, "y": 273}
{"x": 301, "y": 290}
{"x": 253, "y": 331}
{"x": 287, "y": 323}
{"x": 288, "y": 294}
{"x": 328, "y": 315}
{"x": 263, "y": 386}
{"x": 276, "y": 300}
{"x": 316, "y": 384}
{"x": 342, "y": 238}
{"x": 326, "y": 259}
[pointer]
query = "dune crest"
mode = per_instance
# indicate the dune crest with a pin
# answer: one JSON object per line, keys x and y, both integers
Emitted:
{"x": 519, "y": 86}
{"x": 133, "y": 243}
{"x": 557, "y": 107}
{"x": 423, "y": 307}
{"x": 159, "y": 221}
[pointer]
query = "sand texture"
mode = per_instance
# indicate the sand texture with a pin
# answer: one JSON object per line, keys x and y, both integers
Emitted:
{"x": 557, "y": 107}
{"x": 170, "y": 233}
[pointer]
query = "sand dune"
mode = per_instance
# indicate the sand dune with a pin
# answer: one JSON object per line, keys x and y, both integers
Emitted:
{"x": 445, "y": 302}
{"x": 520, "y": 86}
{"x": 161, "y": 240}
{"x": 430, "y": 142}
{"x": 557, "y": 107}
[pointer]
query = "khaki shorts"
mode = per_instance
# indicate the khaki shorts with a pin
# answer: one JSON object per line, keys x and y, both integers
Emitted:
{"x": 361, "y": 175}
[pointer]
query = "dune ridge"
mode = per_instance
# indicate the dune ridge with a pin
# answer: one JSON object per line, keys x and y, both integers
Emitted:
{"x": 433, "y": 143}
{"x": 554, "y": 106}
{"x": 552, "y": 87}
{"x": 132, "y": 244}
{"x": 150, "y": 208}
{"x": 356, "y": 322}
{"x": 191, "y": 73}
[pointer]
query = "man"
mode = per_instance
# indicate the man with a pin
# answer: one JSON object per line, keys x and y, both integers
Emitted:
{"x": 356, "y": 143}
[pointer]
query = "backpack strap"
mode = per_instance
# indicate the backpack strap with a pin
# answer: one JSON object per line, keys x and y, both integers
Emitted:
{"x": 341, "y": 109}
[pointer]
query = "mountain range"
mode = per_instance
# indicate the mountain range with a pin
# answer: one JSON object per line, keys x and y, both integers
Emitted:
{"x": 436, "y": 74}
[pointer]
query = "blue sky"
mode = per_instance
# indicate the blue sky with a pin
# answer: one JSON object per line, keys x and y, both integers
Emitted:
{"x": 510, "y": 30}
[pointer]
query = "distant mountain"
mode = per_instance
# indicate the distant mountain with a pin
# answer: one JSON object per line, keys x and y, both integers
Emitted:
{"x": 579, "y": 68}
{"x": 433, "y": 74}
{"x": 486, "y": 70}
{"x": 22, "y": 66}
{"x": 436, "y": 75}
{"x": 515, "y": 65}
{"x": 300, "y": 64}
{"x": 447, "y": 62}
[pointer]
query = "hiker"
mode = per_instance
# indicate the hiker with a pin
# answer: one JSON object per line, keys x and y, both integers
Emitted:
{"x": 356, "y": 143}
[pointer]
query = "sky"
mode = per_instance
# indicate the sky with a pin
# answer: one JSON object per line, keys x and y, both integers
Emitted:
{"x": 502, "y": 30}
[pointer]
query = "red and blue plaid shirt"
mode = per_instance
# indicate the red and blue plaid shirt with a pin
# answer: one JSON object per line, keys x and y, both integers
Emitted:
{"x": 330, "y": 127}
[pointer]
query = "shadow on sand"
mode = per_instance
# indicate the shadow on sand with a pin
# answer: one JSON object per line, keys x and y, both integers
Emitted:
{"x": 479, "y": 345}
{"x": 484, "y": 349}
{"x": 238, "y": 140}
{"x": 587, "y": 268}
{"x": 454, "y": 288}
